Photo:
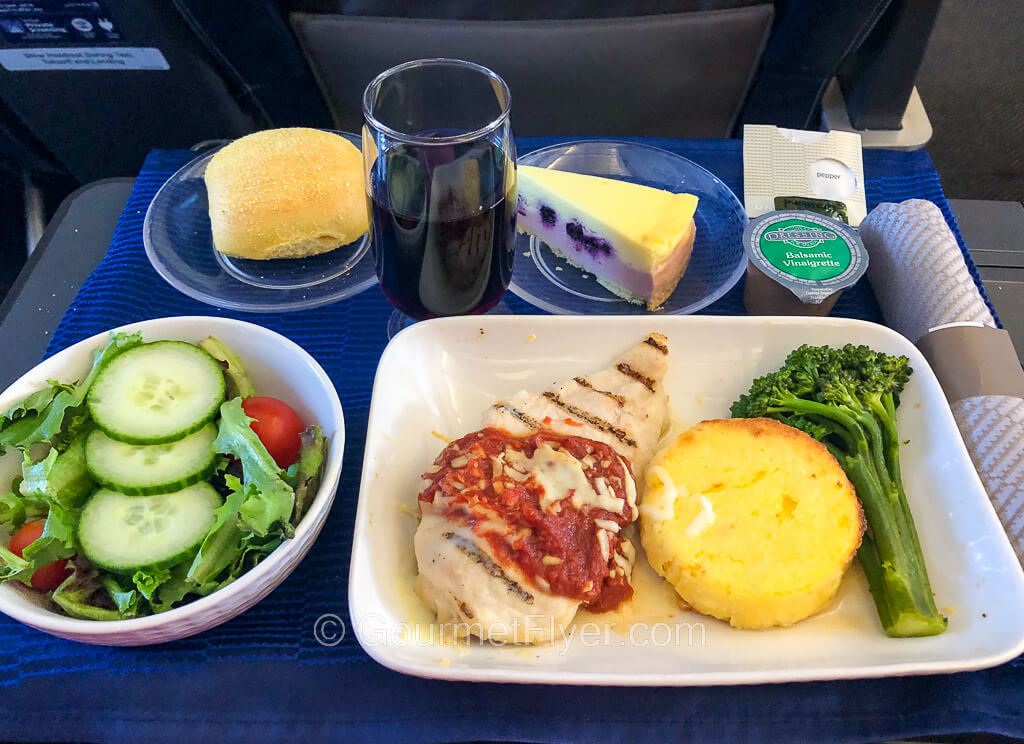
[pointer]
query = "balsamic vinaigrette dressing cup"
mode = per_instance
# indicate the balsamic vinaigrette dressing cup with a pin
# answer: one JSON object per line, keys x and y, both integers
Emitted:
{"x": 440, "y": 177}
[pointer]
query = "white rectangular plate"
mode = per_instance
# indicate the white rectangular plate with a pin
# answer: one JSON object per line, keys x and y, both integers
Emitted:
{"x": 439, "y": 376}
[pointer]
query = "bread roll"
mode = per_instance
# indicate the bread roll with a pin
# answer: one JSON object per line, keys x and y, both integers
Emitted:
{"x": 286, "y": 193}
{"x": 752, "y": 521}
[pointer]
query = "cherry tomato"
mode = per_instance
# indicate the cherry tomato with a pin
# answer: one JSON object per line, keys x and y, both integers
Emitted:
{"x": 48, "y": 577}
{"x": 25, "y": 536}
{"x": 278, "y": 427}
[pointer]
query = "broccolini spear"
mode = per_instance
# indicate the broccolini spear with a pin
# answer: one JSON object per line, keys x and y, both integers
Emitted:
{"x": 847, "y": 399}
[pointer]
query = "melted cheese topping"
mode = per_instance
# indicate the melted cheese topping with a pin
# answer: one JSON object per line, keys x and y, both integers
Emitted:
{"x": 561, "y": 475}
{"x": 660, "y": 500}
{"x": 625, "y": 558}
{"x": 704, "y": 519}
{"x": 630, "y": 488}
{"x": 604, "y": 544}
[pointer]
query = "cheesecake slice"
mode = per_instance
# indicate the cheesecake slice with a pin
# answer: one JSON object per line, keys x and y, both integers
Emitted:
{"x": 636, "y": 240}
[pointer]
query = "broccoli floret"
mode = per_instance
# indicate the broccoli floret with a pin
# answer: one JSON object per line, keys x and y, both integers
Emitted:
{"x": 847, "y": 399}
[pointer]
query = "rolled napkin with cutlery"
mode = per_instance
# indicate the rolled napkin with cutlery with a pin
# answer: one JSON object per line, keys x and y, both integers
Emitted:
{"x": 927, "y": 293}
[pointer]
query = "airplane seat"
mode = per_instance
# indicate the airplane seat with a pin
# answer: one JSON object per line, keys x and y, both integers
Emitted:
{"x": 673, "y": 68}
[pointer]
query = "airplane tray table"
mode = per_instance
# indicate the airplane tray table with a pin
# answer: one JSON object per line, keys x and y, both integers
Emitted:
{"x": 269, "y": 674}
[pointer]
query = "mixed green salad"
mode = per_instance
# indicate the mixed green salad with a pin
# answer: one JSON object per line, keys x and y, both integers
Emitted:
{"x": 157, "y": 479}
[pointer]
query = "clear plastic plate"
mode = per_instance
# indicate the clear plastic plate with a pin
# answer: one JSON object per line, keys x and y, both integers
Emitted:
{"x": 717, "y": 261}
{"x": 176, "y": 234}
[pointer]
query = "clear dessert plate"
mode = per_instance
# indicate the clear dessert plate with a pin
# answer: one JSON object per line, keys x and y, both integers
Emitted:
{"x": 463, "y": 365}
{"x": 179, "y": 244}
{"x": 716, "y": 264}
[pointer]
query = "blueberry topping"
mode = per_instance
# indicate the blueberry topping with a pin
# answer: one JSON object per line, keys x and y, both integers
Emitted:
{"x": 591, "y": 244}
{"x": 548, "y": 216}
{"x": 521, "y": 205}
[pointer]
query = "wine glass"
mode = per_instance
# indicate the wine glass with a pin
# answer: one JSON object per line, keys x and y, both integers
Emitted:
{"x": 441, "y": 186}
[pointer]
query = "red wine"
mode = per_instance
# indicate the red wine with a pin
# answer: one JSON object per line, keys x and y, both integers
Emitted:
{"x": 442, "y": 223}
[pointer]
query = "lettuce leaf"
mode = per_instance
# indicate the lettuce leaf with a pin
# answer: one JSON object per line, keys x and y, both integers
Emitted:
{"x": 13, "y": 567}
{"x": 254, "y": 549}
{"x": 37, "y": 418}
{"x": 125, "y": 600}
{"x": 269, "y": 500}
{"x": 251, "y": 550}
{"x": 304, "y": 476}
{"x": 59, "y": 478}
{"x": 237, "y": 379}
{"x": 57, "y": 413}
{"x": 90, "y": 595}
{"x": 173, "y": 590}
{"x": 16, "y": 509}
{"x": 147, "y": 581}
{"x": 54, "y": 487}
{"x": 224, "y": 540}
{"x": 57, "y": 542}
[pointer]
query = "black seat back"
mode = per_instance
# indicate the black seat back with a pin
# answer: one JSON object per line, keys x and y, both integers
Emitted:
{"x": 677, "y": 69}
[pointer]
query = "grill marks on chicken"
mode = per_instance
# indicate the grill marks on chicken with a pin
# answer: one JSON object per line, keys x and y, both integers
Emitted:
{"x": 623, "y": 405}
{"x": 506, "y": 410}
{"x": 582, "y": 382}
{"x": 657, "y": 341}
{"x": 628, "y": 371}
{"x": 589, "y": 418}
{"x": 468, "y": 547}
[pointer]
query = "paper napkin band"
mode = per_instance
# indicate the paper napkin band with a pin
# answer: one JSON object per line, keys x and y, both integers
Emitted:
{"x": 993, "y": 430}
{"x": 971, "y": 360}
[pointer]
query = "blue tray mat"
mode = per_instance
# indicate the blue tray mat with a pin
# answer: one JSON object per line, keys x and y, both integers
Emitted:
{"x": 264, "y": 675}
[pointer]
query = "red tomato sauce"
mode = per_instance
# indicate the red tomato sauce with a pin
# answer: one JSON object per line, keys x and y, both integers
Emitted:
{"x": 506, "y": 511}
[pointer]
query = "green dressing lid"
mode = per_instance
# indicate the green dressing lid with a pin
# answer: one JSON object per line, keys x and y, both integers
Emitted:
{"x": 811, "y": 255}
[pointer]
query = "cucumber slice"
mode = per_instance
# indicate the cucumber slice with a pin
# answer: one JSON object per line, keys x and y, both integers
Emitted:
{"x": 156, "y": 393}
{"x": 124, "y": 533}
{"x": 142, "y": 469}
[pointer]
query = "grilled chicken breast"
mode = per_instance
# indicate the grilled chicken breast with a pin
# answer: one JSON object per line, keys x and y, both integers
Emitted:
{"x": 476, "y": 589}
{"x": 474, "y": 594}
{"x": 623, "y": 405}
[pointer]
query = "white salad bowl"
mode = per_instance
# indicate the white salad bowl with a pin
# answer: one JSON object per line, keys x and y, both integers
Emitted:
{"x": 278, "y": 368}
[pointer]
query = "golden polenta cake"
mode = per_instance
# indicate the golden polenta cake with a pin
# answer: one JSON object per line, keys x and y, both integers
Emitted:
{"x": 752, "y": 521}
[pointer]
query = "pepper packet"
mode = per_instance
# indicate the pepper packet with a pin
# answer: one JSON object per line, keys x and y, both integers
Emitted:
{"x": 793, "y": 169}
